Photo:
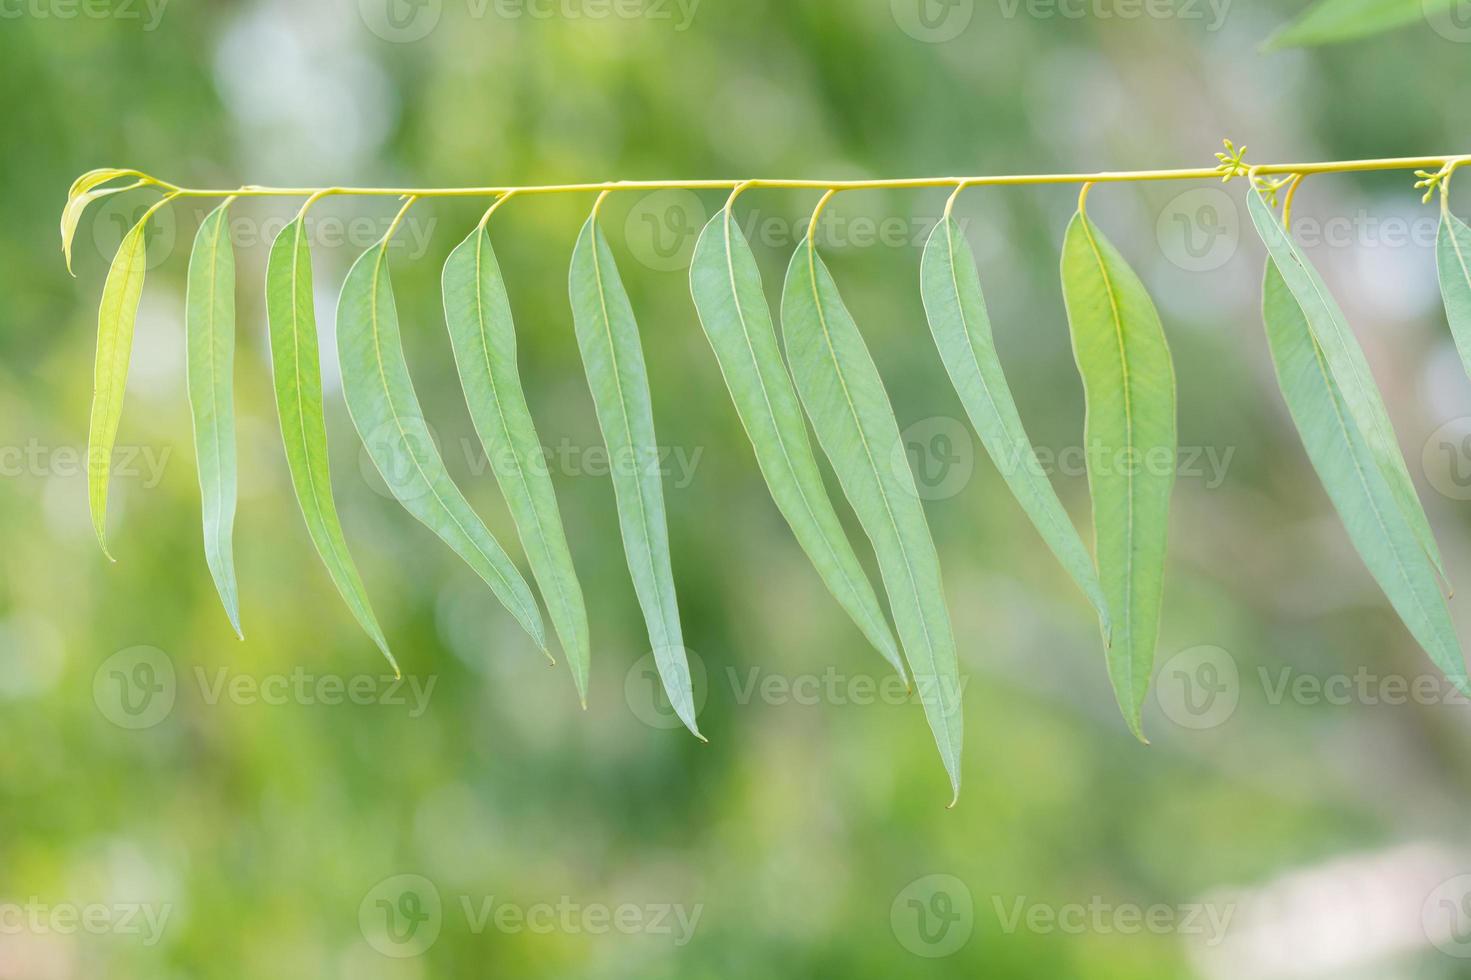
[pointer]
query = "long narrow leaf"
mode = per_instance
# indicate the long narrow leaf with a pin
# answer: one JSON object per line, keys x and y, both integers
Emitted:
{"x": 209, "y": 327}
{"x": 1347, "y": 469}
{"x": 385, "y": 410}
{"x": 1453, "y": 261}
{"x": 116, "y": 318}
{"x": 956, "y": 308}
{"x": 1333, "y": 21}
{"x": 297, "y": 377}
{"x": 726, "y": 285}
{"x": 1349, "y": 366}
{"x": 607, "y": 335}
{"x": 844, "y": 397}
{"x": 483, "y": 336}
{"x": 1129, "y": 443}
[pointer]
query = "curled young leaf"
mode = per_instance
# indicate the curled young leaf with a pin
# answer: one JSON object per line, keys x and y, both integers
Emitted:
{"x": 116, "y": 317}
{"x": 209, "y": 328}
{"x": 956, "y": 309}
{"x": 1349, "y": 366}
{"x": 297, "y": 376}
{"x": 1129, "y": 444}
{"x": 483, "y": 336}
{"x": 844, "y": 396}
{"x": 607, "y": 336}
{"x": 385, "y": 410}
{"x": 1355, "y": 483}
{"x": 726, "y": 285}
{"x": 84, "y": 190}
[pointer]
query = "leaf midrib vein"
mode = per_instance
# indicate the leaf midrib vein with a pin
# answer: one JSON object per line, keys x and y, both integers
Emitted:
{"x": 888, "y": 508}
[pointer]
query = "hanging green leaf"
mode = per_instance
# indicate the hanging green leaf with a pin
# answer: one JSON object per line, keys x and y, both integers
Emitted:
{"x": 1129, "y": 444}
{"x": 297, "y": 376}
{"x": 1453, "y": 260}
{"x": 726, "y": 285}
{"x": 209, "y": 327}
{"x": 385, "y": 410}
{"x": 116, "y": 318}
{"x": 607, "y": 335}
{"x": 1349, "y": 366}
{"x": 844, "y": 397}
{"x": 956, "y": 308}
{"x": 1332, "y": 21}
{"x": 483, "y": 336}
{"x": 1356, "y": 485}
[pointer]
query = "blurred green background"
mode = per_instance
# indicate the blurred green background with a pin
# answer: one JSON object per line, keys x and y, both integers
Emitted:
{"x": 251, "y": 809}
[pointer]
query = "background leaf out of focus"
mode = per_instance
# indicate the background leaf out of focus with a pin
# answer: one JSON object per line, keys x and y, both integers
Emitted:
{"x": 174, "y": 803}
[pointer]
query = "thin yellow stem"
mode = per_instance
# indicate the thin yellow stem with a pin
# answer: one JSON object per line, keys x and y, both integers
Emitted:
{"x": 1287, "y": 201}
{"x": 817, "y": 213}
{"x": 485, "y": 218}
{"x": 605, "y": 187}
{"x": 397, "y": 218}
{"x": 1445, "y": 183}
